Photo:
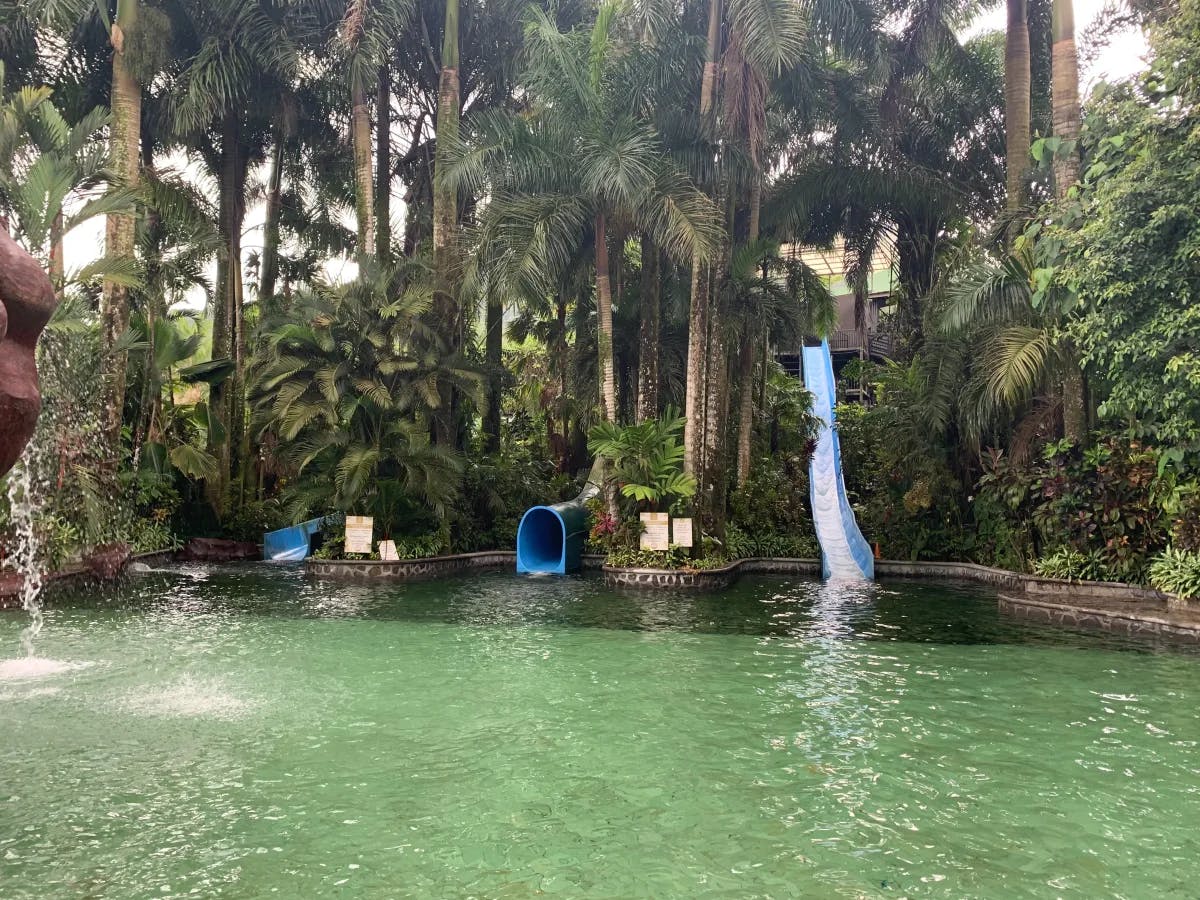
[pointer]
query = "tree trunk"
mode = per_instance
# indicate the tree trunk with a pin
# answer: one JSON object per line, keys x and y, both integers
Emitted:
{"x": 694, "y": 397}
{"x": 715, "y": 418}
{"x": 1065, "y": 96}
{"x": 120, "y": 230}
{"x": 1075, "y": 417}
{"x": 564, "y": 364}
{"x": 745, "y": 408}
{"x": 1016, "y": 101}
{"x": 58, "y": 276}
{"x": 364, "y": 188}
{"x": 445, "y": 218}
{"x": 1066, "y": 118}
{"x": 270, "y": 254}
{"x": 383, "y": 167}
{"x": 746, "y": 356}
{"x": 604, "y": 331}
{"x": 651, "y": 297}
{"x": 494, "y": 353}
{"x": 228, "y": 327}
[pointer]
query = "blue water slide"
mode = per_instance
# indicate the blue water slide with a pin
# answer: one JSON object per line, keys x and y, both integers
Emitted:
{"x": 550, "y": 538}
{"x": 292, "y": 543}
{"x": 845, "y": 553}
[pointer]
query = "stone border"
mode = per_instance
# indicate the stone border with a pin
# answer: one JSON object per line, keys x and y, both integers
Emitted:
{"x": 359, "y": 570}
{"x": 1050, "y": 589}
{"x": 709, "y": 579}
{"x": 1107, "y": 606}
{"x": 1136, "y": 622}
{"x": 377, "y": 570}
{"x": 10, "y": 586}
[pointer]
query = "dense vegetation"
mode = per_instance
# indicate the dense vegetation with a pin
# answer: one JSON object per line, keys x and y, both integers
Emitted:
{"x": 593, "y": 256}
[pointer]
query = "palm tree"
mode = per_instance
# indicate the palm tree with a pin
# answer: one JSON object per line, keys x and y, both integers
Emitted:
{"x": 584, "y": 157}
{"x": 921, "y": 178}
{"x": 1019, "y": 338}
{"x": 367, "y": 31}
{"x": 770, "y": 293}
{"x": 445, "y": 208}
{"x": 49, "y": 165}
{"x": 120, "y": 235}
{"x": 235, "y": 51}
{"x": 1017, "y": 101}
{"x": 698, "y": 315}
{"x": 1066, "y": 118}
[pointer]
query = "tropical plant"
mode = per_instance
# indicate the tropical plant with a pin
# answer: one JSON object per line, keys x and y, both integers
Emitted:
{"x": 587, "y": 155}
{"x": 645, "y": 460}
{"x": 1177, "y": 572}
{"x": 770, "y": 294}
{"x": 348, "y": 397}
{"x": 1072, "y": 565}
{"x": 54, "y": 176}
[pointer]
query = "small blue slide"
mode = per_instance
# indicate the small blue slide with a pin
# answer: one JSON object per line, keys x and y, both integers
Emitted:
{"x": 845, "y": 553}
{"x": 291, "y": 544}
{"x": 550, "y": 538}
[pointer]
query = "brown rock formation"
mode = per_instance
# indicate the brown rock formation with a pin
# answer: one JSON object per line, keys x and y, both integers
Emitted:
{"x": 26, "y": 303}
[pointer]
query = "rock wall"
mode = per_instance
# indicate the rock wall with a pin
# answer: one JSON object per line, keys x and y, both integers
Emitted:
{"x": 26, "y": 304}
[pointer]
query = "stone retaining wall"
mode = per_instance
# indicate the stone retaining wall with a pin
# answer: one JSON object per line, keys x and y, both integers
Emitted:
{"x": 77, "y": 574}
{"x": 1111, "y": 607}
{"x": 1131, "y": 619}
{"x": 435, "y": 566}
{"x": 709, "y": 579}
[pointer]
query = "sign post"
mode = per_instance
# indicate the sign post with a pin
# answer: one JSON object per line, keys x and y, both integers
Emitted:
{"x": 656, "y": 531}
{"x": 360, "y": 534}
{"x": 681, "y": 532}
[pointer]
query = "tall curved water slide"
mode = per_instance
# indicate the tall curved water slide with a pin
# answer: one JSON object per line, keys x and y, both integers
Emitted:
{"x": 845, "y": 553}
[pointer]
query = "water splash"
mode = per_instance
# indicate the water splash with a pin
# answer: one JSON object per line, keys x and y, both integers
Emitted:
{"x": 27, "y": 557}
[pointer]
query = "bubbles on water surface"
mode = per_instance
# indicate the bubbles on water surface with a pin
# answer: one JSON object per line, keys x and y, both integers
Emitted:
{"x": 191, "y": 697}
{"x": 27, "y": 667}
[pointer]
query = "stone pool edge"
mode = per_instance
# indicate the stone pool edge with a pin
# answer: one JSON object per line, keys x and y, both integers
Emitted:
{"x": 1106, "y": 606}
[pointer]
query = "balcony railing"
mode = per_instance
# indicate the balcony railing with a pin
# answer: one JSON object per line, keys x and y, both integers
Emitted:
{"x": 874, "y": 344}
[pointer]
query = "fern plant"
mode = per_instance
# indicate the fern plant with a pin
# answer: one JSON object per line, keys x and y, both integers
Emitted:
{"x": 645, "y": 460}
{"x": 346, "y": 387}
{"x": 1177, "y": 572}
{"x": 1071, "y": 565}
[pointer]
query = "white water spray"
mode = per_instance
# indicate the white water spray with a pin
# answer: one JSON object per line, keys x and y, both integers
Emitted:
{"x": 23, "y": 505}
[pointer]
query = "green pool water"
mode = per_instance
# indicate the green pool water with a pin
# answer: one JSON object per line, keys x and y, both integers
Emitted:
{"x": 239, "y": 731}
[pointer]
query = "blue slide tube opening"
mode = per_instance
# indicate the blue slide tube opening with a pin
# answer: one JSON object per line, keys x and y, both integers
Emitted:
{"x": 542, "y": 542}
{"x": 550, "y": 538}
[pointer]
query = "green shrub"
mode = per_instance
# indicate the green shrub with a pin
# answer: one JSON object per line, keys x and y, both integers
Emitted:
{"x": 1071, "y": 565}
{"x": 630, "y": 558}
{"x": 802, "y": 545}
{"x": 252, "y": 520}
{"x": 422, "y": 546}
{"x": 645, "y": 460}
{"x": 1177, "y": 572}
{"x": 150, "y": 536}
{"x": 1185, "y": 532}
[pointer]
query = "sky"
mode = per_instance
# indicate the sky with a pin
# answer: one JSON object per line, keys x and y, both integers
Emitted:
{"x": 1124, "y": 56}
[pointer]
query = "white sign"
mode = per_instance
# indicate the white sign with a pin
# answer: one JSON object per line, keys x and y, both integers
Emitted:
{"x": 656, "y": 531}
{"x": 387, "y": 551}
{"x": 681, "y": 531}
{"x": 360, "y": 534}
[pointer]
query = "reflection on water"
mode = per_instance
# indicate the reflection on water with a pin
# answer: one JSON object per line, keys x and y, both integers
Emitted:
{"x": 242, "y": 731}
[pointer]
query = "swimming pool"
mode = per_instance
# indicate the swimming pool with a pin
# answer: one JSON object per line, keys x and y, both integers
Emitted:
{"x": 241, "y": 731}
